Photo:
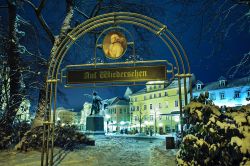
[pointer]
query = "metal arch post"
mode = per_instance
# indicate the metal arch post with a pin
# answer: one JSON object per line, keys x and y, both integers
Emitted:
{"x": 189, "y": 75}
{"x": 148, "y": 23}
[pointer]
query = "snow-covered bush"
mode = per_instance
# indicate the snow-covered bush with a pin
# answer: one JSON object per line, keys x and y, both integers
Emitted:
{"x": 66, "y": 137}
{"x": 213, "y": 137}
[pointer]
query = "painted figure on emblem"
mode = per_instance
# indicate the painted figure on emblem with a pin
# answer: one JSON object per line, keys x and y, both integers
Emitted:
{"x": 114, "y": 45}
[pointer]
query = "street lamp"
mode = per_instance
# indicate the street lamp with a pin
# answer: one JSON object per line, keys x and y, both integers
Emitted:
{"x": 146, "y": 124}
{"x": 156, "y": 111}
{"x": 107, "y": 119}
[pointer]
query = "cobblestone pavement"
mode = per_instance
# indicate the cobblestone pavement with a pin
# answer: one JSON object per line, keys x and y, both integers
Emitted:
{"x": 108, "y": 151}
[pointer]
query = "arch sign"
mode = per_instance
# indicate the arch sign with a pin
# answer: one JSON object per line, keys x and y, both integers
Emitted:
{"x": 119, "y": 67}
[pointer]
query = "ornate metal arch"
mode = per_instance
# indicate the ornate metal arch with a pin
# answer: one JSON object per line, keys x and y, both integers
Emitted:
{"x": 181, "y": 62}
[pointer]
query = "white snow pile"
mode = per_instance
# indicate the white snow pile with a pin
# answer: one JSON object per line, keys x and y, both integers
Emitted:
{"x": 215, "y": 138}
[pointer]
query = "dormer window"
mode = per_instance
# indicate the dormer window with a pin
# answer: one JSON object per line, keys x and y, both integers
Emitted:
{"x": 198, "y": 86}
{"x": 222, "y": 83}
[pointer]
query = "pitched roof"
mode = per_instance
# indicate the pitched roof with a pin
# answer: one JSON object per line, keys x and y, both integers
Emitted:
{"x": 139, "y": 92}
{"x": 110, "y": 101}
{"x": 230, "y": 83}
{"x": 170, "y": 85}
{"x": 222, "y": 78}
{"x": 199, "y": 82}
{"x": 122, "y": 102}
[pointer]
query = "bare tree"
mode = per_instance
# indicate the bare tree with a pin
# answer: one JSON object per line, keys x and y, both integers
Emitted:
{"x": 55, "y": 40}
{"x": 12, "y": 76}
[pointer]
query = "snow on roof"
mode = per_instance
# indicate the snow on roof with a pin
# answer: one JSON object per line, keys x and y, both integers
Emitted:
{"x": 231, "y": 83}
{"x": 222, "y": 78}
{"x": 199, "y": 82}
{"x": 120, "y": 102}
{"x": 171, "y": 85}
{"x": 139, "y": 92}
{"x": 156, "y": 82}
{"x": 110, "y": 101}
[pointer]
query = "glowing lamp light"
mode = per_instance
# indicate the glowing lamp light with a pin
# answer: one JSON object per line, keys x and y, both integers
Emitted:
{"x": 160, "y": 124}
{"x": 176, "y": 118}
{"x": 146, "y": 122}
{"x": 122, "y": 122}
{"x": 107, "y": 116}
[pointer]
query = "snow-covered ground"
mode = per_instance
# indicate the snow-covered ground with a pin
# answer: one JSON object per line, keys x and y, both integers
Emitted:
{"x": 108, "y": 151}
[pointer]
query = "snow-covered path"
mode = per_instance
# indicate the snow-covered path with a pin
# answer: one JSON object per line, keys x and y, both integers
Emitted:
{"x": 109, "y": 151}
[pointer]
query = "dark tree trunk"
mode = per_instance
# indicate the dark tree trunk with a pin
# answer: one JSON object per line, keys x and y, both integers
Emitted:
{"x": 38, "y": 121}
{"x": 13, "y": 62}
{"x": 65, "y": 28}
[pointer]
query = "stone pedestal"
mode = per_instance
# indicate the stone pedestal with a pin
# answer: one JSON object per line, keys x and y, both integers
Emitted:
{"x": 95, "y": 125}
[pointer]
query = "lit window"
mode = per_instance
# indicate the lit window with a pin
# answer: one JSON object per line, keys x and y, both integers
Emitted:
{"x": 145, "y": 97}
{"x": 166, "y": 93}
{"x": 154, "y": 86}
{"x": 150, "y": 96}
{"x": 150, "y": 87}
{"x": 151, "y": 106}
{"x": 136, "y": 118}
{"x": 145, "y": 107}
{"x": 212, "y": 96}
{"x": 159, "y": 94}
{"x": 151, "y": 117}
{"x": 176, "y": 103}
{"x": 159, "y": 105}
{"x": 154, "y": 95}
{"x": 222, "y": 95}
{"x": 166, "y": 104}
{"x": 236, "y": 94}
{"x": 159, "y": 86}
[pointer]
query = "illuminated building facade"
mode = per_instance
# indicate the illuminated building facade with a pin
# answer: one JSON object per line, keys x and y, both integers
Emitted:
{"x": 231, "y": 93}
{"x": 156, "y": 107}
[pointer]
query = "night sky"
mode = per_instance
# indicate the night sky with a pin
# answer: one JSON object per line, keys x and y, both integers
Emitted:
{"x": 215, "y": 35}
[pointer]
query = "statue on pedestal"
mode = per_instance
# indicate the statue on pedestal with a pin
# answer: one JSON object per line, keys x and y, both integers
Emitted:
{"x": 96, "y": 104}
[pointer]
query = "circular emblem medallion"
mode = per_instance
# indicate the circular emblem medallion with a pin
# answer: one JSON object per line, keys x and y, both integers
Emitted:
{"x": 114, "y": 45}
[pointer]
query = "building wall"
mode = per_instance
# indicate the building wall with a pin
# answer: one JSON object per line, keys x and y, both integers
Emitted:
{"x": 229, "y": 99}
{"x": 66, "y": 116}
{"x": 159, "y": 106}
{"x": 119, "y": 116}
